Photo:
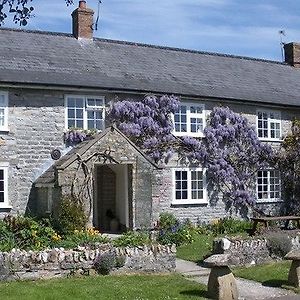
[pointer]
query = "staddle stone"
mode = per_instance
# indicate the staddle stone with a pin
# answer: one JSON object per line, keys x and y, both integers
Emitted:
{"x": 294, "y": 273}
{"x": 221, "y": 282}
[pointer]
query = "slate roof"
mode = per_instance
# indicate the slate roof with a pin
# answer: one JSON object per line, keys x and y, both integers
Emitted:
{"x": 31, "y": 57}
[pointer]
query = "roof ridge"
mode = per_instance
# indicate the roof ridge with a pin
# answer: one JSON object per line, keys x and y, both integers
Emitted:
{"x": 138, "y": 44}
{"x": 37, "y": 31}
{"x": 189, "y": 50}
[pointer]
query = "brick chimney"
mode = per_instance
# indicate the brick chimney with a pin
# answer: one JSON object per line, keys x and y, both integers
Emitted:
{"x": 83, "y": 21}
{"x": 292, "y": 54}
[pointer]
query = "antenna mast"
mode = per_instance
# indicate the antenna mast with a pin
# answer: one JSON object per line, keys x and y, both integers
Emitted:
{"x": 282, "y": 34}
{"x": 98, "y": 14}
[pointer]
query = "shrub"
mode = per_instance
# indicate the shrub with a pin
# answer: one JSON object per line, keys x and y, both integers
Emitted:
{"x": 105, "y": 263}
{"x": 85, "y": 238}
{"x": 132, "y": 239}
{"x": 279, "y": 244}
{"x": 26, "y": 233}
{"x": 171, "y": 231}
{"x": 71, "y": 216}
{"x": 229, "y": 226}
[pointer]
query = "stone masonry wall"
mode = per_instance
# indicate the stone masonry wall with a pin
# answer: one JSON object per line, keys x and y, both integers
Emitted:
{"x": 36, "y": 124}
{"x": 250, "y": 251}
{"x": 22, "y": 265}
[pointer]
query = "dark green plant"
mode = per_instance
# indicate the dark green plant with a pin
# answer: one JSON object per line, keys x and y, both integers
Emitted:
{"x": 25, "y": 233}
{"x": 171, "y": 231}
{"x": 229, "y": 226}
{"x": 279, "y": 244}
{"x": 132, "y": 239}
{"x": 71, "y": 216}
{"x": 85, "y": 238}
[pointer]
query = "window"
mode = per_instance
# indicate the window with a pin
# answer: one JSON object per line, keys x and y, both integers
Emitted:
{"x": 85, "y": 112}
{"x": 3, "y": 111}
{"x": 189, "y": 119}
{"x": 189, "y": 186}
{"x": 268, "y": 185}
{"x": 269, "y": 125}
{"x": 3, "y": 185}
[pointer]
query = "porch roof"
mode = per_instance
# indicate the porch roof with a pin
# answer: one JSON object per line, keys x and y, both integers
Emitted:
{"x": 48, "y": 177}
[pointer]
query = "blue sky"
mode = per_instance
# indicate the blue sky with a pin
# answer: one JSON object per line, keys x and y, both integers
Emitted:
{"x": 248, "y": 28}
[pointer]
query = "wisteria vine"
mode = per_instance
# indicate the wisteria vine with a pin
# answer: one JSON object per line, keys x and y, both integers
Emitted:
{"x": 230, "y": 151}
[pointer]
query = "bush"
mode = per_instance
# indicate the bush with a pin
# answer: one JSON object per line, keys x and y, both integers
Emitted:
{"x": 106, "y": 262}
{"x": 171, "y": 231}
{"x": 229, "y": 226}
{"x": 85, "y": 238}
{"x": 132, "y": 239}
{"x": 71, "y": 216}
{"x": 26, "y": 233}
{"x": 279, "y": 244}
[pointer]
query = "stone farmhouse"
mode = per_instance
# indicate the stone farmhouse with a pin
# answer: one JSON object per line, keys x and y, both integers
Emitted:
{"x": 50, "y": 82}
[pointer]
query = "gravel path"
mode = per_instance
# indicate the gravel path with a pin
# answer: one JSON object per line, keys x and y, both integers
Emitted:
{"x": 248, "y": 290}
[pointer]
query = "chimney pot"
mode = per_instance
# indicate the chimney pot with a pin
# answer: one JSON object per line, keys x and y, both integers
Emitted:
{"x": 83, "y": 21}
{"x": 82, "y": 4}
{"x": 292, "y": 54}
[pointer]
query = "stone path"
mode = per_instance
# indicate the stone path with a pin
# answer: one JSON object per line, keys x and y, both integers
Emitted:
{"x": 248, "y": 290}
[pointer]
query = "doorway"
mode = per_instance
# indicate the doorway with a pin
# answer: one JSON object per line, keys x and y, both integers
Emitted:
{"x": 111, "y": 199}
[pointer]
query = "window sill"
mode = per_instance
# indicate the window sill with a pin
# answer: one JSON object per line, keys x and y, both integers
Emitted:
{"x": 189, "y": 202}
{"x": 195, "y": 135}
{"x": 5, "y": 206}
{"x": 270, "y": 140}
{"x": 269, "y": 201}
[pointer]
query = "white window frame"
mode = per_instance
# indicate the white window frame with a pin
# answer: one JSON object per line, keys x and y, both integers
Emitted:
{"x": 270, "y": 121}
{"x": 5, "y": 126}
{"x": 85, "y": 109}
{"x": 189, "y": 199}
{"x": 189, "y": 116}
{"x": 4, "y": 166}
{"x": 268, "y": 199}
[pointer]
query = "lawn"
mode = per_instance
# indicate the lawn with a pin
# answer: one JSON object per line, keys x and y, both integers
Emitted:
{"x": 274, "y": 274}
{"x": 136, "y": 287}
{"x": 196, "y": 251}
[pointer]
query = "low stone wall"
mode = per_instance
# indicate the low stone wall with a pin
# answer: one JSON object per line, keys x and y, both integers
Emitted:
{"x": 31, "y": 265}
{"x": 252, "y": 250}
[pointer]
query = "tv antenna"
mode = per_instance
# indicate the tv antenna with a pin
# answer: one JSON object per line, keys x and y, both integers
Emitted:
{"x": 281, "y": 35}
{"x": 98, "y": 15}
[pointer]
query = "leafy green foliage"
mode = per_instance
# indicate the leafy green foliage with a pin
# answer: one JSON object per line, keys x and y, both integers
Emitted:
{"x": 85, "y": 238}
{"x": 132, "y": 239}
{"x": 171, "y": 231}
{"x": 228, "y": 226}
{"x": 25, "y": 233}
{"x": 71, "y": 216}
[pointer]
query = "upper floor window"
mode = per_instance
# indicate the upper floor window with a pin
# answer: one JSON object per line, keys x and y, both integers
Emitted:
{"x": 189, "y": 119}
{"x": 3, "y": 111}
{"x": 189, "y": 186}
{"x": 86, "y": 112}
{"x": 4, "y": 185}
{"x": 269, "y": 125}
{"x": 268, "y": 185}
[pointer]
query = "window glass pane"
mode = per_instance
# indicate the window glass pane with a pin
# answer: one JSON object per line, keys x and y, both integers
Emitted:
{"x": 1, "y": 197}
{"x": 1, "y": 174}
{"x": 71, "y": 102}
{"x": 71, "y": 113}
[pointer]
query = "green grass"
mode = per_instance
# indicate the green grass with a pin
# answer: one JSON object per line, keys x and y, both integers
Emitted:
{"x": 274, "y": 274}
{"x": 136, "y": 287}
{"x": 196, "y": 251}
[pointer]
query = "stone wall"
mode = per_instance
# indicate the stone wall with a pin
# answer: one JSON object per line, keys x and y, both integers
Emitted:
{"x": 22, "y": 265}
{"x": 252, "y": 251}
{"x": 36, "y": 124}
